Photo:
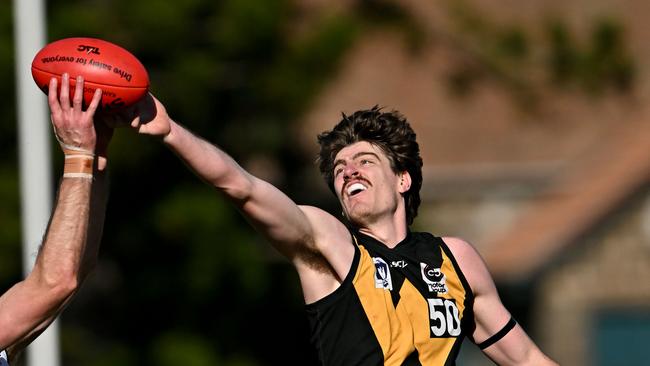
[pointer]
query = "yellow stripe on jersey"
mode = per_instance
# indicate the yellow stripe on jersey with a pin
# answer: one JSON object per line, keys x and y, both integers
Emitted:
{"x": 393, "y": 330}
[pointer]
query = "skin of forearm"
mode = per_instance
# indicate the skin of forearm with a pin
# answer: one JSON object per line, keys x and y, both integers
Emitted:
{"x": 60, "y": 256}
{"x": 211, "y": 164}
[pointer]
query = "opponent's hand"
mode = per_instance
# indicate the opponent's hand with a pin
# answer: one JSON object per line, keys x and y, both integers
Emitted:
{"x": 73, "y": 126}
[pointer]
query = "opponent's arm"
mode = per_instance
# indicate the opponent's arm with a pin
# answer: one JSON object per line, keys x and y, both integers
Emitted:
{"x": 496, "y": 333}
{"x": 31, "y": 305}
{"x": 64, "y": 259}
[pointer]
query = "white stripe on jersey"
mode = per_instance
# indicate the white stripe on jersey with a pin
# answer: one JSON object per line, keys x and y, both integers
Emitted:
{"x": 3, "y": 359}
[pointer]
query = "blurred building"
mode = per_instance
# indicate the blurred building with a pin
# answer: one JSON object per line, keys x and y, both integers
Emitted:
{"x": 549, "y": 179}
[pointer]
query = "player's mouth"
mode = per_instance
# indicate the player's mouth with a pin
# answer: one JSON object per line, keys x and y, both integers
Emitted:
{"x": 355, "y": 188}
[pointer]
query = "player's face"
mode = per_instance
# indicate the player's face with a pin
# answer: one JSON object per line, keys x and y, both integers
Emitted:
{"x": 365, "y": 184}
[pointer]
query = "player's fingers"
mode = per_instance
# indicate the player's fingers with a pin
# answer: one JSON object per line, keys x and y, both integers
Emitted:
{"x": 77, "y": 99}
{"x": 94, "y": 103}
{"x": 136, "y": 122}
{"x": 64, "y": 97}
{"x": 52, "y": 97}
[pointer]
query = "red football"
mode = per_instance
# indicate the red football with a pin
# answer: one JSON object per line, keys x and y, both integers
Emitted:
{"x": 120, "y": 75}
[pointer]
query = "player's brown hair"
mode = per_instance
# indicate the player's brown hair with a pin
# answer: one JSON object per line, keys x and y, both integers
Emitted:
{"x": 389, "y": 131}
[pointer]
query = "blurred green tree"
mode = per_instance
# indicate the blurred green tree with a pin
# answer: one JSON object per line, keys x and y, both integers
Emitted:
{"x": 10, "y": 262}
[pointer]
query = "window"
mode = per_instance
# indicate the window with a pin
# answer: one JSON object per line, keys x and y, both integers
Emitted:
{"x": 621, "y": 337}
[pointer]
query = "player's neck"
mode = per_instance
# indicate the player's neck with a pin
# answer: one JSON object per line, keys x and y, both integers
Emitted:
{"x": 390, "y": 233}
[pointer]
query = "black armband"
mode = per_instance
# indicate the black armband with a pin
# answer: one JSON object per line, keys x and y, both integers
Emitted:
{"x": 498, "y": 335}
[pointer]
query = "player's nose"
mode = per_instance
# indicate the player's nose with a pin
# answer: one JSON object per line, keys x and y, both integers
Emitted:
{"x": 350, "y": 171}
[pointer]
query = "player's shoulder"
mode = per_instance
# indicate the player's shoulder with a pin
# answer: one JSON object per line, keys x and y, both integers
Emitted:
{"x": 457, "y": 246}
{"x": 313, "y": 210}
{"x": 326, "y": 228}
{"x": 320, "y": 218}
{"x": 469, "y": 260}
{"x": 460, "y": 247}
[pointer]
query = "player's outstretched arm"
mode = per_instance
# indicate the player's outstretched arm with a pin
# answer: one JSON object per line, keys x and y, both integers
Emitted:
{"x": 64, "y": 259}
{"x": 496, "y": 333}
{"x": 269, "y": 210}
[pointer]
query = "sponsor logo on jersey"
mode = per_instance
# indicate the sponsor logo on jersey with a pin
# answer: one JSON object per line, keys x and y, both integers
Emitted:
{"x": 382, "y": 274}
{"x": 434, "y": 278}
{"x": 398, "y": 264}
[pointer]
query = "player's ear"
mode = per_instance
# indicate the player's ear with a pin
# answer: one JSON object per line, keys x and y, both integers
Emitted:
{"x": 404, "y": 181}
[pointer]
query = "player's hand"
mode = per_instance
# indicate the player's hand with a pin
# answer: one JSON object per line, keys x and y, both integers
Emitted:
{"x": 73, "y": 126}
{"x": 152, "y": 117}
{"x": 148, "y": 117}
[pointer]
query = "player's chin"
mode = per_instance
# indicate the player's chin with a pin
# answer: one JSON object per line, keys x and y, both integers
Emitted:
{"x": 357, "y": 216}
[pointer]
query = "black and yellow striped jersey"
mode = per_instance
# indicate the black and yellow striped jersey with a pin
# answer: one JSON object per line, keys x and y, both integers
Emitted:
{"x": 409, "y": 305}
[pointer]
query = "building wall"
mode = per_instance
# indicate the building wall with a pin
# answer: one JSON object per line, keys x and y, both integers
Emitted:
{"x": 608, "y": 270}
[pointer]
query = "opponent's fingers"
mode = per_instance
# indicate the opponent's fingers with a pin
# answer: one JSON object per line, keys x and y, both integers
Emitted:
{"x": 64, "y": 97}
{"x": 52, "y": 96}
{"x": 77, "y": 99}
{"x": 94, "y": 103}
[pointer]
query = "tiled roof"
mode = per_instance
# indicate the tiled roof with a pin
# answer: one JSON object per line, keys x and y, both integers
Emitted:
{"x": 597, "y": 185}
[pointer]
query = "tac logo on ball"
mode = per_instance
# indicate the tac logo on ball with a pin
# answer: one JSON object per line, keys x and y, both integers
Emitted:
{"x": 105, "y": 65}
{"x": 88, "y": 49}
